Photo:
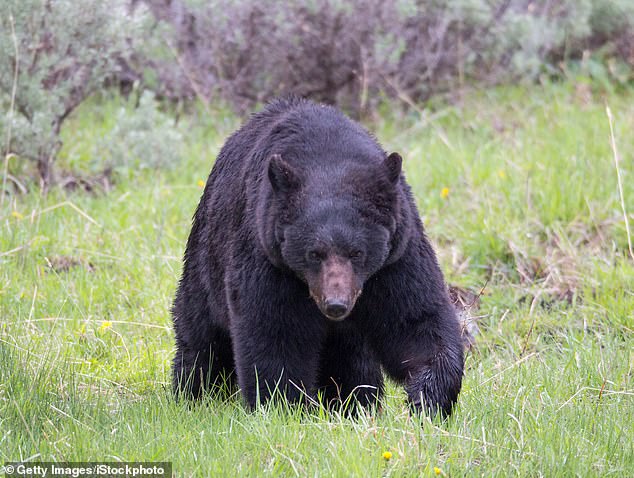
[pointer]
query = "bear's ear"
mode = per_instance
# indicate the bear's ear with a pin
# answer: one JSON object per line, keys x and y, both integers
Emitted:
{"x": 282, "y": 176}
{"x": 392, "y": 165}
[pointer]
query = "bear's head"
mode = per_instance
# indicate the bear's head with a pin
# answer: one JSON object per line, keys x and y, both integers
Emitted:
{"x": 335, "y": 228}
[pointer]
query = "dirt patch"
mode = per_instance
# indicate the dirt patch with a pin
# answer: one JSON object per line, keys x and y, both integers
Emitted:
{"x": 66, "y": 263}
{"x": 97, "y": 183}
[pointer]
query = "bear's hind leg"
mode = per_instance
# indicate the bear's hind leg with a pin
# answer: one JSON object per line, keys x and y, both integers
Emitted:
{"x": 206, "y": 366}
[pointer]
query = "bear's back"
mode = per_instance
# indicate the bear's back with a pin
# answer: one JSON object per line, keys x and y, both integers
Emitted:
{"x": 310, "y": 135}
{"x": 318, "y": 140}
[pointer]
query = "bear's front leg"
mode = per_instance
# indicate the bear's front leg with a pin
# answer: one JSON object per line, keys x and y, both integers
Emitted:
{"x": 433, "y": 377}
{"x": 413, "y": 327}
{"x": 349, "y": 371}
{"x": 277, "y": 334}
{"x": 427, "y": 356}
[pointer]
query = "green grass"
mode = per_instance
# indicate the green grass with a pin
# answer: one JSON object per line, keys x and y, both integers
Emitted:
{"x": 533, "y": 208}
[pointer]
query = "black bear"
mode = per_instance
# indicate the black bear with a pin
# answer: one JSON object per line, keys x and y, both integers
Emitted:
{"x": 307, "y": 270}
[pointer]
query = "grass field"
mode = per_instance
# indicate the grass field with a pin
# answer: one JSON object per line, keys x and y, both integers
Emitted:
{"x": 518, "y": 191}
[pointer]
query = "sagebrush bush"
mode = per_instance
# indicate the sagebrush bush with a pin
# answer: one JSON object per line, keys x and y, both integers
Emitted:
{"x": 350, "y": 52}
{"x": 142, "y": 138}
{"x": 53, "y": 54}
{"x": 612, "y": 18}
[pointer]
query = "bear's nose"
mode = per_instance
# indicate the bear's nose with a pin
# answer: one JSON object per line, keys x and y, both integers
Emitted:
{"x": 335, "y": 308}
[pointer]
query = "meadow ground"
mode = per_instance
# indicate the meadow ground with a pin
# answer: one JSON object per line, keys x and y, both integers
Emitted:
{"x": 518, "y": 191}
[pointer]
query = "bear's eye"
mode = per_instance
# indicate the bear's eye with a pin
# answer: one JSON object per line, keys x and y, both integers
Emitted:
{"x": 355, "y": 254}
{"x": 315, "y": 256}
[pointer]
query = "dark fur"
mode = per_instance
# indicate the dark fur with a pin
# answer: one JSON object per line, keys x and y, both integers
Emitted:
{"x": 301, "y": 175}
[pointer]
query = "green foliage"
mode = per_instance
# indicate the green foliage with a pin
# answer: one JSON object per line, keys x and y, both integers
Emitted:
{"x": 53, "y": 54}
{"x": 143, "y": 137}
{"x": 531, "y": 206}
{"x": 612, "y": 17}
{"x": 351, "y": 52}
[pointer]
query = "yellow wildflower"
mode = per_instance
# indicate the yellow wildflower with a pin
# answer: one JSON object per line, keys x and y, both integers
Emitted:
{"x": 444, "y": 193}
{"x": 17, "y": 215}
{"x": 106, "y": 324}
{"x": 201, "y": 183}
{"x": 438, "y": 471}
{"x": 387, "y": 455}
{"x": 502, "y": 174}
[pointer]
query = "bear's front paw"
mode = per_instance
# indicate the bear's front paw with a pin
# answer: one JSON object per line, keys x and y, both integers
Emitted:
{"x": 435, "y": 387}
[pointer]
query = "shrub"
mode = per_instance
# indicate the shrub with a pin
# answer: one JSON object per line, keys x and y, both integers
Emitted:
{"x": 143, "y": 138}
{"x": 53, "y": 54}
{"x": 351, "y": 52}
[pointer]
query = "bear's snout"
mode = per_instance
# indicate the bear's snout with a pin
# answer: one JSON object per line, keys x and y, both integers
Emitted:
{"x": 336, "y": 309}
{"x": 335, "y": 288}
